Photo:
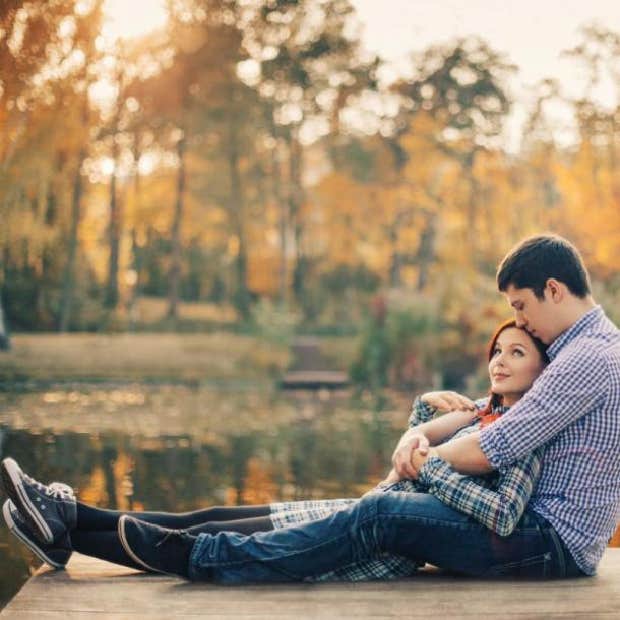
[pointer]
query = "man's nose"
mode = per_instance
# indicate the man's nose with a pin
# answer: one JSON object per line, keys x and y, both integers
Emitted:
{"x": 520, "y": 322}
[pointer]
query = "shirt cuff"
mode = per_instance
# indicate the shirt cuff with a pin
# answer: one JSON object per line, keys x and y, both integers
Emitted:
{"x": 495, "y": 447}
{"x": 421, "y": 412}
{"x": 434, "y": 467}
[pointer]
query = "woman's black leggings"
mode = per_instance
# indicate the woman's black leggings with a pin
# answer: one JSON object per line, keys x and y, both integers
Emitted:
{"x": 96, "y": 534}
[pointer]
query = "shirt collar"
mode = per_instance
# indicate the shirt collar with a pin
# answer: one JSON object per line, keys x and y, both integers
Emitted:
{"x": 578, "y": 327}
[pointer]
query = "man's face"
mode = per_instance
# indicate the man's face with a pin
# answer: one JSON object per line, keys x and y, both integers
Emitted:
{"x": 537, "y": 316}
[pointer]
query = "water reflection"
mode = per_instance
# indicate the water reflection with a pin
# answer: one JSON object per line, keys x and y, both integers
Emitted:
{"x": 270, "y": 448}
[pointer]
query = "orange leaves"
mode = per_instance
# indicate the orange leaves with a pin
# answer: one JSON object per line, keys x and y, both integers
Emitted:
{"x": 591, "y": 203}
{"x": 258, "y": 485}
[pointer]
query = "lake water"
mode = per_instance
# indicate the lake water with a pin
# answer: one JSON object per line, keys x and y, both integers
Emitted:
{"x": 179, "y": 448}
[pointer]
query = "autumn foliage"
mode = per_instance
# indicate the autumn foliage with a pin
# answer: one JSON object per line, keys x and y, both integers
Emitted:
{"x": 248, "y": 153}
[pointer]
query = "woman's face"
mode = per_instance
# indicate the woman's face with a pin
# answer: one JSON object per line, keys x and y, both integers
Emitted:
{"x": 515, "y": 364}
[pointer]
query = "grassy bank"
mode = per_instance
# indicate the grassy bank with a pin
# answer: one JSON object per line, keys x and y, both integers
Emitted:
{"x": 183, "y": 358}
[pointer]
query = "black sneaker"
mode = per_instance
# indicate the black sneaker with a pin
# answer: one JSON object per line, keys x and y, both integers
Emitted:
{"x": 56, "y": 555}
{"x": 157, "y": 549}
{"x": 50, "y": 511}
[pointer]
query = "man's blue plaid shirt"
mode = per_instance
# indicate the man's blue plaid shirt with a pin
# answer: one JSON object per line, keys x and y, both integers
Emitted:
{"x": 573, "y": 410}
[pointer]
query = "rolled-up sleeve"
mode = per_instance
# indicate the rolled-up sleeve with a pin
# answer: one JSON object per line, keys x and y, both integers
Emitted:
{"x": 420, "y": 412}
{"x": 571, "y": 386}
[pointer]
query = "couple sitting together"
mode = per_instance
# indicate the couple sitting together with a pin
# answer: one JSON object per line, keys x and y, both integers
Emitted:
{"x": 524, "y": 482}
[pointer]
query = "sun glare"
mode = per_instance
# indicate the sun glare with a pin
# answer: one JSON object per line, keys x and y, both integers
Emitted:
{"x": 126, "y": 19}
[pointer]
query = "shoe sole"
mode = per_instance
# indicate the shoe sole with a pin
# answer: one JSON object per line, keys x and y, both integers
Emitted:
{"x": 125, "y": 543}
{"x": 14, "y": 529}
{"x": 11, "y": 478}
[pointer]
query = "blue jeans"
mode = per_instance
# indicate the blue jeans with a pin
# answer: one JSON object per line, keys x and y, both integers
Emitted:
{"x": 414, "y": 525}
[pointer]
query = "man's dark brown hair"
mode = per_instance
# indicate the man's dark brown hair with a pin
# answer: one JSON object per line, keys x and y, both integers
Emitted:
{"x": 536, "y": 259}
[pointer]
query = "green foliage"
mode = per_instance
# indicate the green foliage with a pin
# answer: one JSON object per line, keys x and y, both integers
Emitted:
{"x": 342, "y": 277}
{"x": 398, "y": 347}
{"x": 461, "y": 83}
{"x": 370, "y": 369}
{"x": 272, "y": 322}
{"x": 413, "y": 336}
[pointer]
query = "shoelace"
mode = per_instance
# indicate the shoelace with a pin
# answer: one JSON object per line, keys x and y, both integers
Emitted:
{"x": 171, "y": 534}
{"x": 55, "y": 490}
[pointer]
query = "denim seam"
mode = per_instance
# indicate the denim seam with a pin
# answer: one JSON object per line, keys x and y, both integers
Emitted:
{"x": 426, "y": 520}
{"x": 559, "y": 550}
{"x": 541, "y": 558}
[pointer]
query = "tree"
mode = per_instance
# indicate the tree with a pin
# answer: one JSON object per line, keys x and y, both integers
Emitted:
{"x": 5, "y": 341}
{"x": 197, "y": 98}
{"x": 309, "y": 68}
{"x": 460, "y": 85}
{"x": 590, "y": 181}
{"x": 88, "y": 27}
{"x": 41, "y": 77}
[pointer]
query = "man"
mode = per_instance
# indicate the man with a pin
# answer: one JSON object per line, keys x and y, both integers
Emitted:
{"x": 573, "y": 409}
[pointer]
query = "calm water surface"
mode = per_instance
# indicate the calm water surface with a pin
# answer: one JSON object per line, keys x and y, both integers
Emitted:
{"x": 177, "y": 448}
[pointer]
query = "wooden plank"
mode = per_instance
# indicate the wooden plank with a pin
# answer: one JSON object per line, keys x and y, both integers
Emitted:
{"x": 91, "y": 587}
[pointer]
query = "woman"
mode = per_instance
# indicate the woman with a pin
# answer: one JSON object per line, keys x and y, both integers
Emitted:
{"x": 52, "y": 524}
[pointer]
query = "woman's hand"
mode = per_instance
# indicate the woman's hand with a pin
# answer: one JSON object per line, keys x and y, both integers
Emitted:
{"x": 418, "y": 458}
{"x": 391, "y": 478}
{"x": 445, "y": 401}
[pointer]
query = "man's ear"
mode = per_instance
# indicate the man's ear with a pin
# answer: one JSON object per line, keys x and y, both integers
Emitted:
{"x": 555, "y": 289}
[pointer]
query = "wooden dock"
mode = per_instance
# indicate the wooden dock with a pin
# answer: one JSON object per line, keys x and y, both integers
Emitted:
{"x": 310, "y": 370}
{"x": 94, "y": 589}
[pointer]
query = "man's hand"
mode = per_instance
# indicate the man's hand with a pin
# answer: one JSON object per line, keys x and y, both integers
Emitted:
{"x": 465, "y": 455}
{"x": 401, "y": 459}
{"x": 446, "y": 400}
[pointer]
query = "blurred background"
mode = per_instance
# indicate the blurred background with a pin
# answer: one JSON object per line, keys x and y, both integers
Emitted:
{"x": 198, "y": 197}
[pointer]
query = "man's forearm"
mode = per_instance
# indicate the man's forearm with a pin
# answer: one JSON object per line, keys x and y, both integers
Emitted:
{"x": 465, "y": 455}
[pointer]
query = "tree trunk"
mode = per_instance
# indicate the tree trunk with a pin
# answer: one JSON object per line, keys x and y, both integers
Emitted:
{"x": 47, "y": 281}
{"x": 47, "y": 253}
{"x": 426, "y": 250}
{"x": 68, "y": 279}
{"x": 5, "y": 341}
{"x": 236, "y": 209}
{"x": 114, "y": 232}
{"x": 174, "y": 277}
{"x": 472, "y": 206}
{"x": 136, "y": 256}
{"x": 396, "y": 262}
{"x": 282, "y": 207}
{"x": 300, "y": 269}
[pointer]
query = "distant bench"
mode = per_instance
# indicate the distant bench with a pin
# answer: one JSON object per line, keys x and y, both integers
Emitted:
{"x": 91, "y": 588}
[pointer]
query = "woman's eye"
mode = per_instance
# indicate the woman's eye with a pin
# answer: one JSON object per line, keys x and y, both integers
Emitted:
{"x": 518, "y": 353}
{"x": 496, "y": 351}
